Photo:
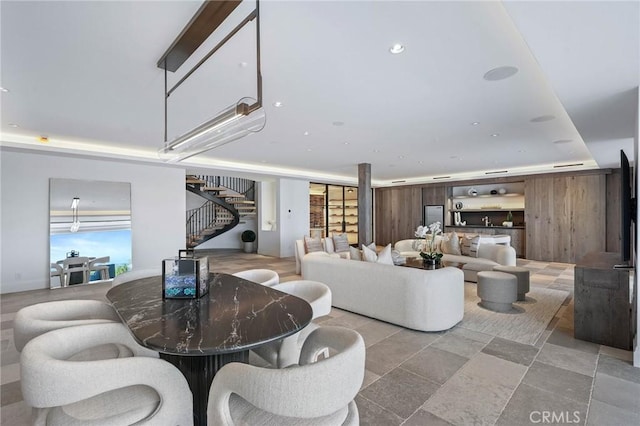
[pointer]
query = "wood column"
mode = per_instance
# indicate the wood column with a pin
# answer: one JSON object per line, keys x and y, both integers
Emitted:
{"x": 365, "y": 205}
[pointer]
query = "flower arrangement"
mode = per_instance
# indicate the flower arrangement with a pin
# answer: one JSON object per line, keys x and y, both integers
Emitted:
{"x": 428, "y": 251}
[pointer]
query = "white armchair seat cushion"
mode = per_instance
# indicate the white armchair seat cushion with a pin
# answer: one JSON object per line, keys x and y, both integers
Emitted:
{"x": 123, "y": 406}
{"x": 244, "y": 413}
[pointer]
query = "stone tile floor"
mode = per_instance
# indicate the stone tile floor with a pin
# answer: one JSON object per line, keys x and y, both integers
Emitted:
{"x": 457, "y": 377}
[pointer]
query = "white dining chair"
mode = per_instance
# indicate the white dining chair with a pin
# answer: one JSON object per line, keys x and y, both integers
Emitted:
{"x": 34, "y": 320}
{"x": 266, "y": 277}
{"x": 140, "y": 389}
{"x": 98, "y": 264}
{"x": 313, "y": 393}
{"x": 78, "y": 264}
{"x": 55, "y": 271}
{"x": 284, "y": 352}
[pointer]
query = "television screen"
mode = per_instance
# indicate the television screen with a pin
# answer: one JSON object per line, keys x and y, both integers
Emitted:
{"x": 626, "y": 208}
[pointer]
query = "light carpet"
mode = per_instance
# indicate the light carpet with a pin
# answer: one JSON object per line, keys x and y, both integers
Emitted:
{"x": 524, "y": 323}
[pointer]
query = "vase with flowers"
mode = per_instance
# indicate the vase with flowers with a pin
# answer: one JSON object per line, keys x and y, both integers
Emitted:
{"x": 429, "y": 253}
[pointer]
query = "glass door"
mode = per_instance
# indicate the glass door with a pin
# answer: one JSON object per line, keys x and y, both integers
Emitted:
{"x": 351, "y": 214}
{"x": 317, "y": 210}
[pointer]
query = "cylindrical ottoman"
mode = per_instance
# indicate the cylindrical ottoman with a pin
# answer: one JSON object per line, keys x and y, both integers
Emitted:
{"x": 522, "y": 274}
{"x": 497, "y": 290}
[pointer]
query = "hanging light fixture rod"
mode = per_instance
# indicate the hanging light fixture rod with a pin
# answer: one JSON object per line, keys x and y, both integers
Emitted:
{"x": 233, "y": 32}
{"x": 206, "y": 20}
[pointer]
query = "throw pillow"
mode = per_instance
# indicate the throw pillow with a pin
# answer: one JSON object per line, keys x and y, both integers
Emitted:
{"x": 368, "y": 254}
{"x": 312, "y": 244}
{"x": 465, "y": 247}
{"x": 473, "y": 249}
{"x": 340, "y": 243}
{"x": 354, "y": 253}
{"x": 372, "y": 246}
{"x": 451, "y": 244}
{"x": 384, "y": 256}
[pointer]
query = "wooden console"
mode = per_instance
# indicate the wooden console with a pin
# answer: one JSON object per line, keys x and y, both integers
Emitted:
{"x": 603, "y": 310}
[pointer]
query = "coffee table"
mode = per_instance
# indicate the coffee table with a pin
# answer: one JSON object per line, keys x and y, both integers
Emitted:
{"x": 419, "y": 264}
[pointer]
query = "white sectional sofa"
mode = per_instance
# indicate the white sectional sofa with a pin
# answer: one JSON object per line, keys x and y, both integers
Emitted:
{"x": 327, "y": 244}
{"x": 425, "y": 300}
{"x": 488, "y": 255}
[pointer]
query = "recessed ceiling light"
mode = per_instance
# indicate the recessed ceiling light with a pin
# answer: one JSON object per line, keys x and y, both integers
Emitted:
{"x": 14, "y": 125}
{"x": 277, "y": 104}
{"x": 2, "y": 89}
{"x": 376, "y": 150}
{"x": 420, "y": 162}
{"x": 338, "y": 123}
{"x": 309, "y": 149}
{"x": 306, "y": 133}
{"x": 543, "y": 118}
{"x": 495, "y": 135}
{"x": 500, "y": 73}
{"x": 396, "y": 48}
{"x": 475, "y": 123}
{"x": 400, "y": 157}
{"x": 346, "y": 143}
{"x": 561, "y": 141}
{"x": 43, "y": 139}
{"x": 243, "y": 64}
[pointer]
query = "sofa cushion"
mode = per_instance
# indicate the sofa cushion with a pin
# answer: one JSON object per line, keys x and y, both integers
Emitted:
{"x": 355, "y": 253}
{"x": 469, "y": 246}
{"x": 383, "y": 257}
{"x": 341, "y": 243}
{"x": 312, "y": 244}
{"x": 451, "y": 244}
{"x": 369, "y": 255}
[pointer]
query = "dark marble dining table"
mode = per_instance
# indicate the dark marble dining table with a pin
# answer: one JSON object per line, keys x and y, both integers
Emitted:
{"x": 199, "y": 336}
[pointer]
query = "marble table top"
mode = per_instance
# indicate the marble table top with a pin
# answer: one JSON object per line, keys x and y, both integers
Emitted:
{"x": 235, "y": 315}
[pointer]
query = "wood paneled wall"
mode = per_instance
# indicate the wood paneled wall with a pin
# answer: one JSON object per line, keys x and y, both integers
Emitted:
{"x": 565, "y": 216}
{"x": 398, "y": 212}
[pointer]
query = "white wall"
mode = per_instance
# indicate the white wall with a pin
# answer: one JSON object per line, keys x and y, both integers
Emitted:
{"x": 293, "y": 213}
{"x": 267, "y": 199}
{"x": 157, "y": 211}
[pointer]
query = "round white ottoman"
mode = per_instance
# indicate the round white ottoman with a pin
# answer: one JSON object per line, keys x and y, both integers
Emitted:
{"x": 497, "y": 290}
{"x": 522, "y": 274}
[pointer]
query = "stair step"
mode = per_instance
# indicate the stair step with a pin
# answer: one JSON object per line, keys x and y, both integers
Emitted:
{"x": 195, "y": 180}
{"x": 228, "y": 195}
{"x": 245, "y": 208}
{"x": 243, "y": 202}
{"x": 213, "y": 188}
{"x": 247, "y": 214}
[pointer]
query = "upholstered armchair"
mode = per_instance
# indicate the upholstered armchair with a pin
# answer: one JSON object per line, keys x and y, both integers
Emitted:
{"x": 32, "y": 321}
{"x": 285, "y": 352}
{"x": 266, "y": 277}
{"x": 313, "y": 393}
{"x": 141, "y": 389}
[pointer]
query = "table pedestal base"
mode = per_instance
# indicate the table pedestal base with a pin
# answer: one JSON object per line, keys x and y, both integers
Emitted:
{"x": 199, "y": 372}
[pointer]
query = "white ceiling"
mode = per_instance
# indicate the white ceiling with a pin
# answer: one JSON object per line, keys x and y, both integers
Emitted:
{"x": 83, "y": 73}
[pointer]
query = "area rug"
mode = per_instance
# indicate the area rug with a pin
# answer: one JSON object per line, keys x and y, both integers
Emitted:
{"x": 524, "y": 323}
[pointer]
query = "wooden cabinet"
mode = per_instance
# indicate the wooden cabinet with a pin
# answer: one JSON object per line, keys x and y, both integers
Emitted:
{"x": 603, "y": 309}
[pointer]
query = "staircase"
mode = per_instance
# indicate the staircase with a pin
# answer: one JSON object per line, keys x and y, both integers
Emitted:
{"x": 227, "y": 201}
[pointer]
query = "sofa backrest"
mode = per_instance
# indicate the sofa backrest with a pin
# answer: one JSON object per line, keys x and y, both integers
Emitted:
{"x": 504, "y": 255}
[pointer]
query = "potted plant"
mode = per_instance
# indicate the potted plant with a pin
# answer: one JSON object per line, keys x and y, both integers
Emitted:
{"x": 429, "y": 254}
{"x": 248, "y": 237}
{"x": 509, "y": 221}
